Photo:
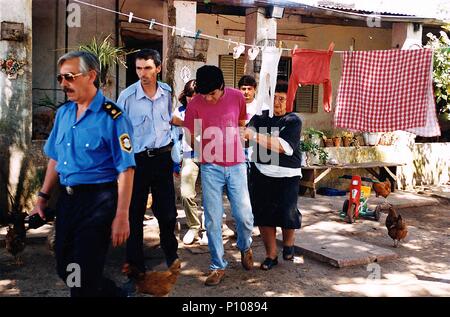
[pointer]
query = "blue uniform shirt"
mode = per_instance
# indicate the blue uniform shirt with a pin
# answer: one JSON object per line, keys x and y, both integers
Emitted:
{"x": 150, "y": 117}
{"x": 93, "y": 149}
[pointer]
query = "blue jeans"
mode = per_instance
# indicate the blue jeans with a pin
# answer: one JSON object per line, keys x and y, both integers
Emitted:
{"x": 215, "y": 179}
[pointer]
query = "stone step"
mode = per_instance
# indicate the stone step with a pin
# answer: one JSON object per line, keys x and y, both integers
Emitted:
{"x": 336, "y": 249}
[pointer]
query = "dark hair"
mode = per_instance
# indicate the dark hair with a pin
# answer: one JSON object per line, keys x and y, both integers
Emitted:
{"x": 208, "y": 79}
{"x": 88, "y": 62}
{"x": 282, "y": 86}
{"x": 247, "y": 80}
{"x": 188, "y": 91}
{"x": 147, "y": 54}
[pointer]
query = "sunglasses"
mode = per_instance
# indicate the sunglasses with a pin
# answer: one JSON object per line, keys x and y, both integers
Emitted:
{"x": 68, "y": 77}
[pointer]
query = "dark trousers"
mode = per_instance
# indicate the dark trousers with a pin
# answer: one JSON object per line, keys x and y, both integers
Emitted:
{"x": 155, "y": 173}
{"x": 83, "y": 231}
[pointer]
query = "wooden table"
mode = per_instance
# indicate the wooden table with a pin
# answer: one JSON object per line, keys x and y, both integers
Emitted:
{"x": 313, "y": 174}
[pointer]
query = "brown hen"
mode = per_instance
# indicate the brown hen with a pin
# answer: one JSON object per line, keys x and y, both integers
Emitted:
{"x": 16, "y": 235}
{"x": 396, "y": 226}
{"x": 155, "y": 283}
{"x": 382, "y": 188}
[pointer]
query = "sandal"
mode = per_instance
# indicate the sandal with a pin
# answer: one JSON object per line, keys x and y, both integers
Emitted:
{"x": 269, "y": 263}
{"x": 288, "y": 253}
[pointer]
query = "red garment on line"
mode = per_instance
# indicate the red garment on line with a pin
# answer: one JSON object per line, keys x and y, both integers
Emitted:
{"x": 311, "y": 67}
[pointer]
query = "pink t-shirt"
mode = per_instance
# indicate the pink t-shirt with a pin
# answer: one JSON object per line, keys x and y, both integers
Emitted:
{"x": 218, "y": 125}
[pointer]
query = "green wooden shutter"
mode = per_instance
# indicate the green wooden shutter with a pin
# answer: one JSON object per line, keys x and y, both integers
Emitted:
{"x": 307, "y": 99}
{"x": 226, "y": 64}
{"x": 233, "y": 69}
{"x": 240, "y": 63}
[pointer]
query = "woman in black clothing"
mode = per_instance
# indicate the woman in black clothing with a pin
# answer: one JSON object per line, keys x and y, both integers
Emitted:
{"x": 275, "y": 176}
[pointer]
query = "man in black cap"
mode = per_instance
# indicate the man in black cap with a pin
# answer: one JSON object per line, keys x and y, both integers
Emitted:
{"x": 218, "y": 112}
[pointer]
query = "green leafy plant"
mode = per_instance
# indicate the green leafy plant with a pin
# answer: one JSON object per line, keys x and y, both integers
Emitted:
{"x": 48, "y": 102}
{"x": 311, "y": 132}
{"x": 108, "y": 55}
{"x": 441, "y": 70}
{"x": 327, "y": 134}
{"x": 347, "y": 134}
{"x": 315, "y": 150}
{"x": 307, "y": 146}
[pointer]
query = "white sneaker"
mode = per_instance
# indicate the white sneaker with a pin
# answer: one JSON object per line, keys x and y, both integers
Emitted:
{"x": 204, "y": 240}
{"x": 190, "y": 236}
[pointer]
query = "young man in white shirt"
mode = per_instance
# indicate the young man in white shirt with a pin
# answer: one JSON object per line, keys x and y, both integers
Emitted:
{"x": 247, "y": 85}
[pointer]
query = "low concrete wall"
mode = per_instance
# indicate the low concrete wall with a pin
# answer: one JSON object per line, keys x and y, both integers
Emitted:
{"x": 425, "y": 163}
{"x": 429, "y": 164}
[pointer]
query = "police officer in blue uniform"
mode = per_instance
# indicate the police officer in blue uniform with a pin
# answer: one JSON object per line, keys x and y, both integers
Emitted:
{"x": 148, "y": 103}
{"x": 91, "y": 153}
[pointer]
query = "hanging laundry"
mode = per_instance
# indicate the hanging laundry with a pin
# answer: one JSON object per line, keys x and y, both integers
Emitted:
{"x": 267, "y": 79}
{"x": 383, "y": 91}
{"x": 431, "y": 128}
{"x": 311, "y": 67}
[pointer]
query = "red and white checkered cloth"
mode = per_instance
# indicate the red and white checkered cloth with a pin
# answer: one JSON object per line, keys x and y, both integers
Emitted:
{"x": 431, "y": 127}
{"x": 384, "y": 91}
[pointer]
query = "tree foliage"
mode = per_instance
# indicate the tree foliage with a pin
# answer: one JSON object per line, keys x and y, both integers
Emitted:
{"x": 441, "y": 70}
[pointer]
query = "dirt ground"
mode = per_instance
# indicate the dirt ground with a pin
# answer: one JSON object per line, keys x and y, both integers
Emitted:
{"x": 421, "y": 269}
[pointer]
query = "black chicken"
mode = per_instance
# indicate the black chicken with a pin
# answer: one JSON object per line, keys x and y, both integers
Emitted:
{"x": 16, "y": 235}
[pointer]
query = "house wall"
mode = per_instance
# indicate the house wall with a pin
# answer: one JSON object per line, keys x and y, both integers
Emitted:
{"x": 15, "y": 110}
{"x": 50, "y": 36}
{"x": 22, "y": 163}
{"x": 424, "y": 163}
{"x": 318, "y": 37}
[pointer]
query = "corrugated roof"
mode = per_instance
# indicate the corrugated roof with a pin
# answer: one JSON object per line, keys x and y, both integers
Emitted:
{"x": 439, "y": 9}
{"x": 428, "y": 9}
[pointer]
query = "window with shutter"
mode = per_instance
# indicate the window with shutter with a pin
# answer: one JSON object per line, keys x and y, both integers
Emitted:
{"x": 307, "y": 99}
{"x": 226, "y": 64}
{"x": 240, "y": 63}
{"x": 233, "y": 69}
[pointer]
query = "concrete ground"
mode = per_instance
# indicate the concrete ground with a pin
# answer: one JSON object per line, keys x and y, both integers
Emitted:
{"x": 420, "y": 266}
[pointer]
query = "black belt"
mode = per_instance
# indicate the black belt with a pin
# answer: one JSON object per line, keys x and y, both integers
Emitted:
{"x": 155, "y": 152}
{"x": 71, "y": 190}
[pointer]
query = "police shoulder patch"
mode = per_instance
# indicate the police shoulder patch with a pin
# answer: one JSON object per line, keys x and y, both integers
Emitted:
{"x": 113, "y": 110}
{"x": 125, "y": 143}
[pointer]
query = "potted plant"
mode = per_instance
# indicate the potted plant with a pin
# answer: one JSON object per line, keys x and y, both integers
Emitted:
{"x": 371, "y": 138}
{"x": 327, "y": 138}
{"x": 305, "y": 148}
{"x": 314, "y": 153}
{"x": 337, "y": 137}
{"x": 108, "y": 55}
{"x": 347, "y": 137}
{"x": 314, "y": 135}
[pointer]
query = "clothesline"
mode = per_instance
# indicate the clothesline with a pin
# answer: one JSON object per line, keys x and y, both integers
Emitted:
{"x": 196, "y": 34}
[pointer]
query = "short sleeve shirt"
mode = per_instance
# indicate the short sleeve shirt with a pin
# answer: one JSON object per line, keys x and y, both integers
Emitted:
{"x": 93, "y": 149}
{"x": 218, "y": 125}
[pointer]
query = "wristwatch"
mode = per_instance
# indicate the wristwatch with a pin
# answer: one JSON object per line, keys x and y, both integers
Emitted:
{"x": 44, "y": 195}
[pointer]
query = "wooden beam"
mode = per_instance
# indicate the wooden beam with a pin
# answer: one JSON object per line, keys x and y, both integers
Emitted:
{"x": 373, "y": 172}
{"x": 341, "y": 22}
{"x": 322, "y": 175}
{"x": 220, "y": 9}
{"x": 280, "y": 36}
{"x": 394, "y": 177}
